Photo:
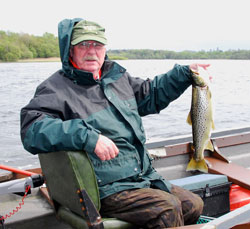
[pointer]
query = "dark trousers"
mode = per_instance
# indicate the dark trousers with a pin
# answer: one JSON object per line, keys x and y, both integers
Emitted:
{"x": 154, "y": 208}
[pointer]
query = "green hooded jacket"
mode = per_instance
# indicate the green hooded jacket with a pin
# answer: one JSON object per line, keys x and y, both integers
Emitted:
{"x": 70, "y": 109}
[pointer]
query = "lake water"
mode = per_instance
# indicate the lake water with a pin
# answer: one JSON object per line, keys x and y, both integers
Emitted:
{"x": 230, "y": 91}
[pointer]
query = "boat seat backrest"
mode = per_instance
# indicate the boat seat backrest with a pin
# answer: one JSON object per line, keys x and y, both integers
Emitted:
{"x": 67, "y": 172}
{"x": 73, "y": 189}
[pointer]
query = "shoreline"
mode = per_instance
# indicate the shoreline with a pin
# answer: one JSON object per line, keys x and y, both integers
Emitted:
{"x": 58, "y": 59}
{"x": 50, "y": 59}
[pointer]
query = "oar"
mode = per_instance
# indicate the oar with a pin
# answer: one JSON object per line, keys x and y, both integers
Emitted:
{"x": 14, "y": 170}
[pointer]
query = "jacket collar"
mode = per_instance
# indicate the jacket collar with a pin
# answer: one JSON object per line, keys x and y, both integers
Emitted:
{"x": 111, "y": 71}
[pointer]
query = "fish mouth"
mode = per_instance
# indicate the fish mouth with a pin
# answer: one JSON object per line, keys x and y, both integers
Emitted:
{"x": 204, "y": 87}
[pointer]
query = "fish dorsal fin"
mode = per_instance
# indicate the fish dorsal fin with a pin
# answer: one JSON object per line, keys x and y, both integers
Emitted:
{"x": 189, "y": 121}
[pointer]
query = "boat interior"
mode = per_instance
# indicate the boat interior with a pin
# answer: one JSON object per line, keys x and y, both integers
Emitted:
{"x": 71, "y": 191}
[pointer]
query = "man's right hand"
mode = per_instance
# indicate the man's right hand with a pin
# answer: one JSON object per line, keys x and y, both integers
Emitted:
{"x": 105, "y": 148}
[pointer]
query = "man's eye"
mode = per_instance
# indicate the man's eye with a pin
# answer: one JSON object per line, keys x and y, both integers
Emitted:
{"x": 97, "y": 45}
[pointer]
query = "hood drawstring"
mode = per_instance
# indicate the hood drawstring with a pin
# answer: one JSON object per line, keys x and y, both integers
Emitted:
{"x": 73, "y": 63}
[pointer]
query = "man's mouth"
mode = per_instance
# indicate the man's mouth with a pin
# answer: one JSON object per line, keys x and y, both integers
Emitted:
{"x": 90, "y": 58}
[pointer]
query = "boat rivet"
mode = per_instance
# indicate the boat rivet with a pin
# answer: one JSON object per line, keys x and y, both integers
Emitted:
{"x": 99, "y": 219}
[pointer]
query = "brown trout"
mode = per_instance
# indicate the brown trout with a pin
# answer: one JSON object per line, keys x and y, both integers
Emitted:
{"x": 201, "y": 119}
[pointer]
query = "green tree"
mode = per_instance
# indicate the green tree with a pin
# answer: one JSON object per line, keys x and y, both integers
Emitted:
{"x": 9, "y": 51}
{"x": 14, "y": 46}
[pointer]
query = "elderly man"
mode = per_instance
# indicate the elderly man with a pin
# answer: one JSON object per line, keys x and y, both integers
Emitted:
{"x": 93, "y": 104}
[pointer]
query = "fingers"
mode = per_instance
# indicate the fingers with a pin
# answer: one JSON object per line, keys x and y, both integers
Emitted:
{"x": 195, "y": 66}
{"x": 204, "y": 66}
{"x": 111, "y": 152}
{"x": 105, "y": 148}
{"x": 195, "y": 69}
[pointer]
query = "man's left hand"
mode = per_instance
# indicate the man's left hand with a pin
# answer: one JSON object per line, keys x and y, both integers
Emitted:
{"x": 195, "y": 66}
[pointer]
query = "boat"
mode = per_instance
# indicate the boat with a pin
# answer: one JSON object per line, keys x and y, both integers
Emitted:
{"x": 231, "y": 158}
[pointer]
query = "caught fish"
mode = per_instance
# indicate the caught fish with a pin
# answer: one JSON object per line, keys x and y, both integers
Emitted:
{"x": 201, "y": 119}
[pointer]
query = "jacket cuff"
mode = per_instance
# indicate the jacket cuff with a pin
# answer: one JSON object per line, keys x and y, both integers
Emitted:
{"x": 91, "y": 141}
{"x": 189, "y": 72}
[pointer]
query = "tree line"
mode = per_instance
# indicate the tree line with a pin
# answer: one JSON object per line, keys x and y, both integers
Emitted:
{"x": 16, "y": 46}
{"x": 165, "y": 54}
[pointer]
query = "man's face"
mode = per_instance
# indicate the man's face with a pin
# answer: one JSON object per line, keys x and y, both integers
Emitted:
{"x": 89, "y": 56}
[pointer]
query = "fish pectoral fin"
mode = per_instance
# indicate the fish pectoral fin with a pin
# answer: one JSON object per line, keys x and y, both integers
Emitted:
{"x": 213, "y": 126}
{"x": 189, "y": 120}
{"x": 197, "y": 165}
{"x": 210, "y": 146}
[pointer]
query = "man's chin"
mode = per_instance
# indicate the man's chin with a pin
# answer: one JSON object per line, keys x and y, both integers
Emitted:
{"x": 90, "y": 68}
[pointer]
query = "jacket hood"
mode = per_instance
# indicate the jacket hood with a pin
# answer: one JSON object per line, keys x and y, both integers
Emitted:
{"x": 65, "y": 28}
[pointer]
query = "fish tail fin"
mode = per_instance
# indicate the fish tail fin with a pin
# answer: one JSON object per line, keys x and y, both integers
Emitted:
{"x": 191, "y": 165}
{"x": 197, "y": 165}
{"x": 210, "y": 146}
{"x": 189, "y": 121}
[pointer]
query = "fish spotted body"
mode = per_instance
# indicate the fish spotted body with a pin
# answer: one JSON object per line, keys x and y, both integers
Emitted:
{"x": 201, "y": 119}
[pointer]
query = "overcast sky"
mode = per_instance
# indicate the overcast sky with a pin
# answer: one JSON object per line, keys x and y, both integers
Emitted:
{"x": 134, "y": 24}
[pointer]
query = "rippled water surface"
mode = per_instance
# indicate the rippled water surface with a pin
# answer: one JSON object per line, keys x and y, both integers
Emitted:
{"x": 230, "y": 91}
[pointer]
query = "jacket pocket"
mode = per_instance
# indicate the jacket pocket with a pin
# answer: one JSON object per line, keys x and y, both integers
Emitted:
{"x": 119, "y": 168}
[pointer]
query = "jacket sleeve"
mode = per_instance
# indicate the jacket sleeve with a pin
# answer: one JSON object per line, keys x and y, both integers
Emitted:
{"x": 44, "y": 129}
{"x": 154, "y": 95}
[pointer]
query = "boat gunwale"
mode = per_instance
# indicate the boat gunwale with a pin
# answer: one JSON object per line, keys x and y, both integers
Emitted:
{"x": 175, "y": 149}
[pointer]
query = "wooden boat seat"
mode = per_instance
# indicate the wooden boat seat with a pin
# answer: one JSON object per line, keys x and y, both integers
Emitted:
{"x": 235, "y": 173}
{"x": 73, "y": 189}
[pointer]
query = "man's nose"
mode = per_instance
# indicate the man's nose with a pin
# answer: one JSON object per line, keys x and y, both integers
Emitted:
{"x": 91, "y": 49}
